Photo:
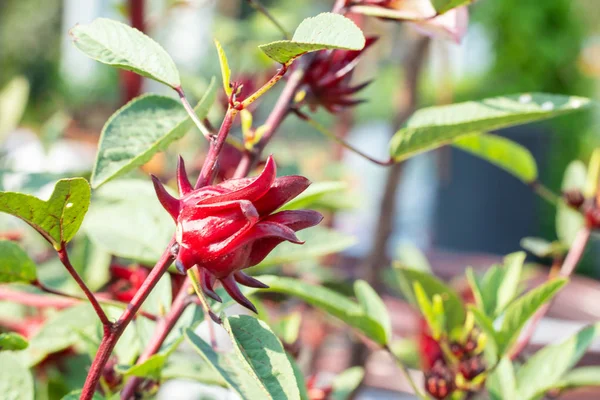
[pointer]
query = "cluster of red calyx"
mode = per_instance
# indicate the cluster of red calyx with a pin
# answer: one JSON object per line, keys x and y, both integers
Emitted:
{"x": 225, "y": 228}
{"x": 590, "y": 207}
{"x": 440, "y": 375}
{"x": 327, "y": 80}
{"x": 126, "y": 280}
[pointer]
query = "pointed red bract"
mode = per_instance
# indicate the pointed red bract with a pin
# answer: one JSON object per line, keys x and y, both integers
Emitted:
{"x": 225, "y": 228}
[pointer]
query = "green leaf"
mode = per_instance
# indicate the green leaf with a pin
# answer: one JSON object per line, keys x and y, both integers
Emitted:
{"x": 153, "y": 366}
{"x": 373, "y": 306}
{"x": 501, "y": 384}
{"x": 325, "y": 31}
{"x": 135, "y": 133}
{"x": 60, "y": 331}
{"x": 545, "y": 368}
{"x": 160, "y": 298}
{"x": 319, "y": 242}
{"x": 12, "y": 341}
{"x": 339, "y": 306}
{"x": 519, "y": 311}
{"x": 487, "y": 326}
{"x": 568, "y": 220}
{"x": 288, "y": 327}
{"x": 432, "y": 127}
{"x": 513, "y": 265}
{"x": 15, "y": 264}
{"x": 227, "y": 365}
{"x": 139, "y": 227}
{"x": 57, "y": 219}
{"x": 263, "y": 355}
{"x": 476, "y": 289}
{"x": 315, "y": 192}
{"x": 412, "y": 257}
{"x": 593, "y": 174}
{"x": 542, "y": 248}
{"x": 76, "y": 395}
{"x": 442, "y": 6}
{"x": 113, "y": 43}
{"x": 13, "y": 100}
{"x": 427, "y": 311}
{"x": 225, "y": 70}
{"x": 502, "y": 152}
{"x": 345, "y": 383}
{"x": 580, "y": 377}
{"x": 16, "y": 381}
{"x": 455, "y": 312}
{"x": 299, "y": 378}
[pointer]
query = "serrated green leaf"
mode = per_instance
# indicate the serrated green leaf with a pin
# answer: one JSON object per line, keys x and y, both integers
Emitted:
{"x": 319, "y": 242}
{"x": 139, "y": 229}
{"x": 225, "y": 70}
{"x": 227, "y": 365}
{"x": 12, "y": 341}
{"x": 513, "y": 265}
{"x": 455, "y": 312}
{"x": 546, "y": 367}
{"x": 593, "y": 174}
{"x": 373, "y": 306}
{"x": 57, "y": 219}
{"x": 59, "y": 332}
{"x": 502, "y": 384}
{"x": 502, "y": 152}
{"x": 315, "y": 192}
{"x": 433, "y": 127}
{"x": 15, "y": 264}
{"x": 519, "y": 311}
{"x": 263, "y": 355}
{"x": 13, "y": 100}
{"x": 325, "y": 31}
{"x": 345, "y": 383}
{"x": 114, "y": 43}
{"x": 16, "y": 381}
{"x": 442, "y": 6}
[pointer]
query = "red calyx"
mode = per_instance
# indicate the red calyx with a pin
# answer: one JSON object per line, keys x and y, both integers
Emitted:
{"x": 471, "y": 367}
{"x": 225, "y": 228}
{"x": 127, "y": 281}
{"x": 439, "y": 381}
{"x": 327, "y": 80}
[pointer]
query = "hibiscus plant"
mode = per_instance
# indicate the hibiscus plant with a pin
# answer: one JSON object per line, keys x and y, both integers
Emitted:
{"x": 225, "y": 234}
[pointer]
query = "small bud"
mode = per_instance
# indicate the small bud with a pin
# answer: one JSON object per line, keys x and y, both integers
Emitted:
{"x": 471, "y": 367}
{"x": 439, "y": 381}
{"x": 574, "y": 198}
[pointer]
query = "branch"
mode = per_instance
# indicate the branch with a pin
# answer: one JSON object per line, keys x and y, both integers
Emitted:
{"x": 406, "y": 374}
{"x": 64, "y": 258}
{"x": 573, "y": 257}
{"x": 190, "y": 110}
{"x": 262, "y": 9}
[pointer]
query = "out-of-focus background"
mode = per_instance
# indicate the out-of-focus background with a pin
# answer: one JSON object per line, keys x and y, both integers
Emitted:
{"x": 456, "y": 208}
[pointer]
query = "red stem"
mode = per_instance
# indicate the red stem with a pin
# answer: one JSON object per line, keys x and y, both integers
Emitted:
{"x": 573, "y": 257}
{"x": 64, "y": 258}
{"x": 36, "y": 300}
{"x": 131, "y": 83}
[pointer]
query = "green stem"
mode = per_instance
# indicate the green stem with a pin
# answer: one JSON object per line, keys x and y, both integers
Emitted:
{"x": 190, "y": 110}
{"x": 406, "y": 374}
{"x": 262, "y": 9}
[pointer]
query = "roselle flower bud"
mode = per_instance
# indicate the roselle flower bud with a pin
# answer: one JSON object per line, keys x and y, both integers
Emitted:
{"x": 471, "y": 367}
{"x": 326, "y": 82}
{"x": 439, "y": 381}
{"x": 231, "y": 226}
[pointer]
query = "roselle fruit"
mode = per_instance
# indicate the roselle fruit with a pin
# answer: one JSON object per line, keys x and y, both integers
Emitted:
{"x": 225, "y": 228}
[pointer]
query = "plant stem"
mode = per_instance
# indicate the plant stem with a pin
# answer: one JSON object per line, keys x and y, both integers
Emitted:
{"x": 270, "y": 83}
{"x": 36, "y": 300}
{"x": 326, "y": 132}
{"x": 64, "y": 258}
{"x": 216, "y": 145}
{"x": 406, "y": 374}
{"x": 110, "y": 338}
{"x": 262, "y": 9}
{"x": 545, "y": 193}
{"x": 190, "y": 110}
{"x": 571, "y": 260}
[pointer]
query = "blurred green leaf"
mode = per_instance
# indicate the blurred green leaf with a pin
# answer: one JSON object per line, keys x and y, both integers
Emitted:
{"x": 12, "y": 341}
{"x": 412, "y": 257}
{"x": 76, "y": 395}
{"x": 288, "y": 327}
{"x": 299, "y": 378}
{"x": 325, "y": 31}
{"x": 568, "y": 220}
{"x": 593, "y": 174}
{"x": 580, "y": 377}
{"x": 16, "y": 381}
{"x": 54, "y": 128}
{"x": 432, "y": 127}
{"x": 127, "y": 220}
{"x": 153, "y": 366}
{"x": 442, "y": 6}
{"x": 407, "y": 351}
{"x": 455, "y": 312}
{"x": 475, "y": 286}
{"x": 513, "y": 265}
{"x": 227, "y": 365}
{"x": 315, "y": 192}
{"x": 13, "y": 100}
{"x": 57, "y": 219}
{"x": 319, "y": 242}
{"x": 502, "y": 152}
{"x": 427, "y": 310}
{"x": 263, "y": 355}
{"x": 546, "y": 367}
{"x": 345, "y": 383}
{"x": 189, "y": 365}
{"x": 373, "y": 305}
{"x": 487, "y": 326}
{"x": 519, "y": 311}
{"x": 542, "y": 248}
{"x": 225, "y": 70}
{"x": 501, "y": 384}
{"x": 114, "y": 43}
{"x": 160, "y": 298}
{"x": 15, "y": 264}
